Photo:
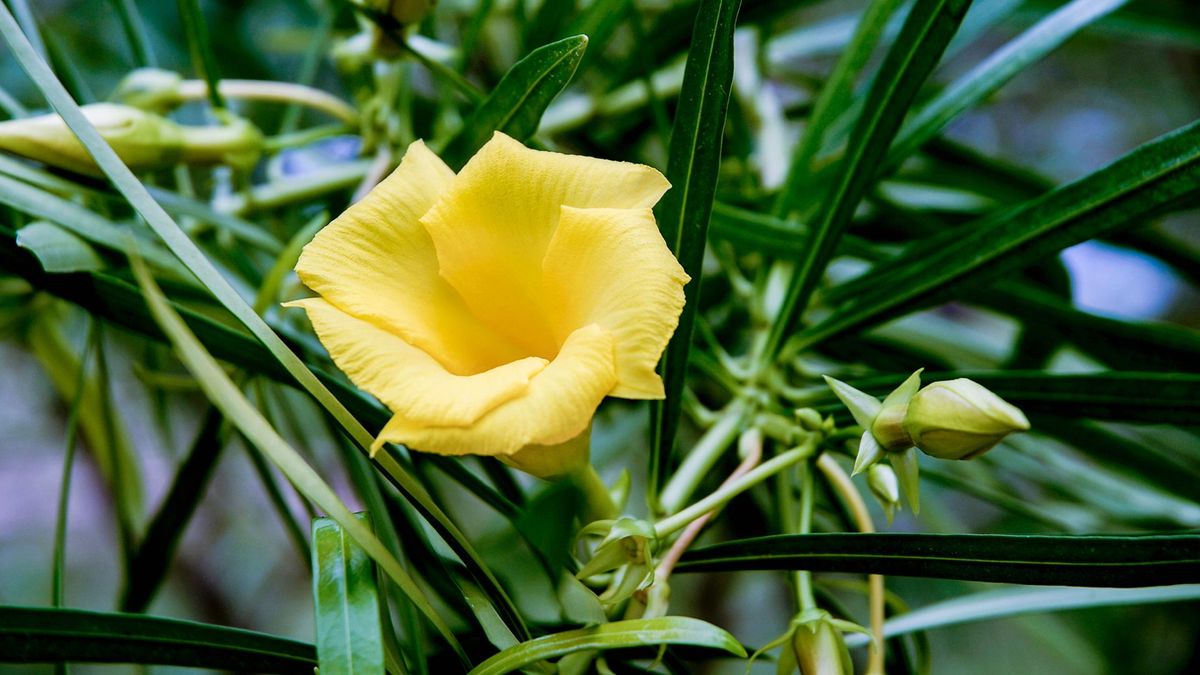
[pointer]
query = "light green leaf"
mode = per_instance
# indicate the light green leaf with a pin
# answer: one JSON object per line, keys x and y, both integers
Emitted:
{"x": 57, "y": 249}
{"x": 1021, "y": 601}
{"x": 615, "y": 635}
{"x": 346, "y": 597}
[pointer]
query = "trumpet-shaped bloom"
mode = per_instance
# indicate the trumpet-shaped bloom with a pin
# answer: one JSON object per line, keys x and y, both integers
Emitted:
{"x": 491, "y": 311}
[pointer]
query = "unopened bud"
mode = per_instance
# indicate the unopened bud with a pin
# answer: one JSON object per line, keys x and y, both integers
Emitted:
{"x": 884, "y": 485}
{"x": 809, "y": 419}
{"x": 960, "y": 419}
{"x": 151, "y": 89}
{"x": 820, "y": 649}
{"x": 142, "y": 140}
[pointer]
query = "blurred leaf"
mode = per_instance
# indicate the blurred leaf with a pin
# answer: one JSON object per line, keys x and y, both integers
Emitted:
{"x": 349, "y": 632}
{"x": 1008, "y": 602}
{"x": 692, "y": 168}
{"x": 84, "y": 223}
{"x": 615, "y": 635}
{"x": 1000, "y": 67}
{"x": 1069, "y": 560}
{"x": 927, "y": 30}
{"x": 221, "y": 391}
{"x": 203, "y": 59}
{"x": 34, "y": 635}
{"x": 1149, "y": 181}
{"x": 148, "y": 566}
{"x": 516, "y": 105}
{"x": 57, "y": 249}
{"x": 208, "y": 275}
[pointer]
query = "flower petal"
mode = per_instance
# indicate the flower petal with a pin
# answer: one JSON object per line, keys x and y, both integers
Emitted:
{"x": 611, "y": 267}
{"x": 376, "y": 262}
{"x": 557, "y": 407}
{"x": 406, "y": 379}
{"x": 491, "y": 227}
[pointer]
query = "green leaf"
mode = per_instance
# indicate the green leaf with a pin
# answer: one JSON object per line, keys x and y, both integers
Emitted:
{"x": 834, "y": 97}
{"x": 346, "y": 597}
{"x": 57, "y": 249}
{"x": 1151, "y": 180}
{"x": 516, "y": 105}
{"x": 222, "y": 392}
{"x": 149, "y": 564}
{"x": 1120, "y": 344}
{"x": 200, "y": 46}
{"x": 692, "y": 168}
{"x": 1021, "y": 601}
{"x": 211, "y": 278}
{"x": 616, "y": 635}
{"x": 35, "y": 635}
{"x": 1091, "y": 560}
{"x": 1000, "y": 67}
{"x": 927, "y": 30}
{"x": 84, "y": 223}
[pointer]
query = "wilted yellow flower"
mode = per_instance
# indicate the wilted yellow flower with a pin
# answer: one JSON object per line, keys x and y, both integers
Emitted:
{"x": 960, "y": 419}
{"x": 494, "y": 309}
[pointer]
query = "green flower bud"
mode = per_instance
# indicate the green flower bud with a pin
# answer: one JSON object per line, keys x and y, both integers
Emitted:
{"x": 819, "y": 648}
{"x": 151, "y": 89}
{"x": 885, "y": 486}
{"x": 142, "y": 140}
{"x": 960, "y": 419}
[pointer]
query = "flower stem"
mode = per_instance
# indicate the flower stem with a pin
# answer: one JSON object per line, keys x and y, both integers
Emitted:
{"x": 282, "y": 92}
{"x": 703, "y": 456}
{"x": 842, "y": 484}
{"x": 598, "y": 503}
{"x": 804, "y": 585}
{"x": 716, "y": 500}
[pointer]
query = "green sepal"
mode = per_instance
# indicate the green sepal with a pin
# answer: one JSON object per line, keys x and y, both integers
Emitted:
{"x": 862, "y": 406}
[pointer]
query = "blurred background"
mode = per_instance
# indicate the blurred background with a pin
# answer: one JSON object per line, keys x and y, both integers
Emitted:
{"x": 1128, "y": 79}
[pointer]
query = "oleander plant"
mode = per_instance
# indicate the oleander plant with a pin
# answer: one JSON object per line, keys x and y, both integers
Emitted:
{"x": 600, "y": 336}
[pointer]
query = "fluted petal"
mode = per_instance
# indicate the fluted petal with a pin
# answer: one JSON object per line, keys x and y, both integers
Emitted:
{"x": 376, "y": 262}
{"x": 556, "y": 407}
{"x": 492, "y": 226}
{"x": 611, "y": 267}
{"x": 409, "y": 381}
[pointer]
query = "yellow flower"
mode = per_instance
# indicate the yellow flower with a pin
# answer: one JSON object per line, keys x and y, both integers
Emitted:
{"x": 491, "y": 311}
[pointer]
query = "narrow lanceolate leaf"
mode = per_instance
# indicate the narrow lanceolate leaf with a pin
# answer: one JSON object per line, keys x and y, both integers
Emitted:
{"x": 1021, "y": 601}
{"x": 199, "y": 265}
{"x": 1003, "y": 65}
{"x": 36, "y": 635}
{"x": 516, "y": 105}
{"x": 57, "y": 249}
{"x": 226, "y": 396}
{"x": 669, "y": 630}
{"x": 346, "y": 598}
{"x": 1092, "y": 560}
{"x": 1150, "y": 181}
{"x": 692, "y": 167}
{"x": 927, "y": 30}
{"x": 1168, "y": 398}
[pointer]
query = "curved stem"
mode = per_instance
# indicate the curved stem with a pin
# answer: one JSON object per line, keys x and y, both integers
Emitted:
{"x": 270, "y": 90}
{"x": 862, "y": 517}
{"x": 672, "y": 524}
{"x": 703, "y": 456}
